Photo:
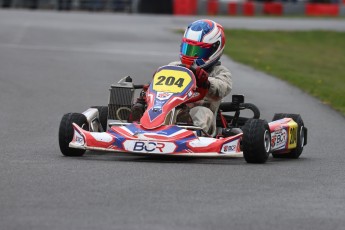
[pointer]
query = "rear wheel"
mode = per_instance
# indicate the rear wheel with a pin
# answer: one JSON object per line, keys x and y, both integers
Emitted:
{"x": 103, "y": 115}
{"x": 66, "y": 133}
{"x": 256, "y": 141}
{"x": 295, "y": 153}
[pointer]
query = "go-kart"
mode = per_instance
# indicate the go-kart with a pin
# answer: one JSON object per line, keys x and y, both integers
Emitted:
{"x": 159, "y": 131}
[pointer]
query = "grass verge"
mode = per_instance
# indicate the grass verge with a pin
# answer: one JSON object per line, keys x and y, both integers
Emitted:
{"x": 311, "y": 60}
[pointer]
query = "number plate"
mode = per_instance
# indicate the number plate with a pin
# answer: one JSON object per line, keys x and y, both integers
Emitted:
{"x": 172, "y": 81}
{"x": 293, "y": 129}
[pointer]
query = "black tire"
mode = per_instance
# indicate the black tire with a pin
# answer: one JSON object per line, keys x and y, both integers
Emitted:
{"x": 256, "y": 141}
{"x": 295, "y": 153}
{"x": 254, "y": 109}
{"x": 103, "y": 116}
{"x": 66, "y": 133}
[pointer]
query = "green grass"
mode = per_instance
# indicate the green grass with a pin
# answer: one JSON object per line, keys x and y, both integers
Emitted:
{"x": 313, "y": 61}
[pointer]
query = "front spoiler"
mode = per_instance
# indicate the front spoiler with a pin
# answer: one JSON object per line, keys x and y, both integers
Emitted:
{"x": 199, "y": 155}
{"x": 181, "y": 143}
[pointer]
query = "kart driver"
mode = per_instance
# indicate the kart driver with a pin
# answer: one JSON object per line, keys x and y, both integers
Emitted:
{"x": 201, "y": 49}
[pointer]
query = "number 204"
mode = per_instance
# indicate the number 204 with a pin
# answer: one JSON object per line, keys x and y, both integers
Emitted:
{"x": 163, "y": 80}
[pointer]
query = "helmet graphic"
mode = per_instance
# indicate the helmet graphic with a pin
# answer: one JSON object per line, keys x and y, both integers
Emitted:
{"x": 202, "y": 43}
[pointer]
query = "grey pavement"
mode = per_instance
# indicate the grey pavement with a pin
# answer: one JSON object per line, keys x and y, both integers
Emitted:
{"x": 52, "y": 63}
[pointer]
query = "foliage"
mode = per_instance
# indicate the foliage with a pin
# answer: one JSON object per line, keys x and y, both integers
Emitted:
{"x": 311, "y": 60}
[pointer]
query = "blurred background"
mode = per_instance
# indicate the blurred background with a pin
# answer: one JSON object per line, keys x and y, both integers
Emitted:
{"x": 191, "y": 7}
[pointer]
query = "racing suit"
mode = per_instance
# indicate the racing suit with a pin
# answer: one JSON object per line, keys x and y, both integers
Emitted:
{"x": 203, "y": 112}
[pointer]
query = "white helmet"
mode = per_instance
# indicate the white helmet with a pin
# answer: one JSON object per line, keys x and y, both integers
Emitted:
{"x": 202, "y": 43}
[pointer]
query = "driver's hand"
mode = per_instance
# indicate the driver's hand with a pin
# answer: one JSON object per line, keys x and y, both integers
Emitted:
{"x": 202, "y": 78}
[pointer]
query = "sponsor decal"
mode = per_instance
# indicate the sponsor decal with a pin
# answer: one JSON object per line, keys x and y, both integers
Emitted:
{"x": 163, "y": 95}
{"x": 229, "y": 147}
{"x": 279, "y": 139}
{"x": 78, "y": 138}
{"x": 273, "y": 141}
{"x": 149, "y": 146}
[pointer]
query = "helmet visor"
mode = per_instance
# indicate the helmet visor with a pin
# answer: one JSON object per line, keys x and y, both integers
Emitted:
{"x": 195, "y": 51}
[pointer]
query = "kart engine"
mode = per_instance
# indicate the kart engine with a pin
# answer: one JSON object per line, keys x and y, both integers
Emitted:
{"x": 121, "y": 100}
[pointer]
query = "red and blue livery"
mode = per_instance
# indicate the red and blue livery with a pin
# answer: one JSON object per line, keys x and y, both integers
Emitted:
{"x": 106, "y": 128}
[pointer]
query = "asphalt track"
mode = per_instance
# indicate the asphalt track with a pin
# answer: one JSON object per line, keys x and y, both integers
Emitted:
{"x": 53, "y": 63}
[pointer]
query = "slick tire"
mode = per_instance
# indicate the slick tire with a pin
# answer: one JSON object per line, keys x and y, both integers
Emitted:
{"x": 295, "y": 153}
{"x": 103, "y": 116}
{"x": 256, "y": 141}
{"x": 66, "y": 133}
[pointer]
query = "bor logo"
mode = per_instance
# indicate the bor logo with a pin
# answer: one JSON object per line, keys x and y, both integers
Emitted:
{"x": 149, "y": 146}
{"x": 279, "y": 139}
{"x": 229, "y": 147}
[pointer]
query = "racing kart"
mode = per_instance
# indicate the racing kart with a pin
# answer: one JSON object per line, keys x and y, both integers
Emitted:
{"x": 160, "y": 132}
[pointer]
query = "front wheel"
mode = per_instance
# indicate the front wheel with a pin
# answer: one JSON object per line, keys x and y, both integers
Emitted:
{"x": 66, "y": 133}
{"x": 256, "y": 141}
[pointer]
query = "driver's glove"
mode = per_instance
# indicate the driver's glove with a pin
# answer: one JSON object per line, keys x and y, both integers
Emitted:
{"x": 202, "y": 78}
